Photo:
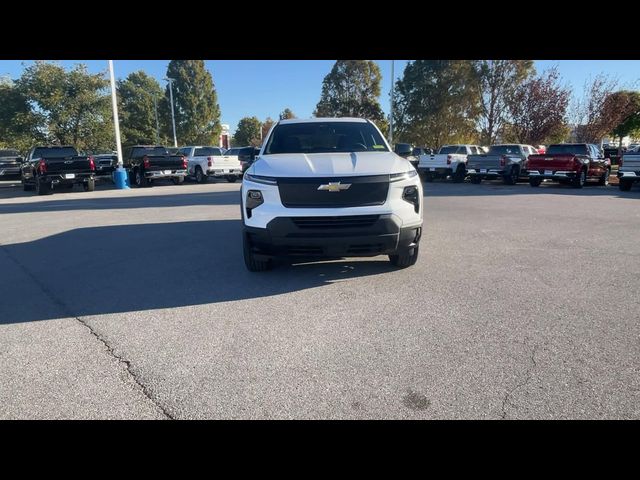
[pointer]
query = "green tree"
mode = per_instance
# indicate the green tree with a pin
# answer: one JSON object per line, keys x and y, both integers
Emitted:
{"x": 197, "y": 113}
{"x": 286, "y": 114}
{"x": 18, "y": 122}
{"x": 498, "y": 80}
{"x": 248, "y": 132}
{"x": 538, "y": 110}
{"x": 626, "y": 106}
{"x": 137, "y": 109}
{"x": 351, "y": 89}
{"x": 437, "y": 102}
{"x": 73, "y": 107}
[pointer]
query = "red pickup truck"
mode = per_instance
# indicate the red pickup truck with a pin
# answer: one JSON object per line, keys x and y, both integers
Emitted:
{"x": 570, "y": 163}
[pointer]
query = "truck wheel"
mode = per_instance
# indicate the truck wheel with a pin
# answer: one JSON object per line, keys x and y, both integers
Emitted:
{"x": 139, "y": 179}
{"x": 253, "y": 265}
{"x": 177, "y": 180}
{"x": 476, "y": 179}
{"x": 512, "y": 178}
{"x": 405, "y": 258}
{"x": 42, "y": 188}
{"x": 231, "y": 179}
{"x": 200, "y": 176}
{"x": 90, "y": 186}
{"x": 27, "y": 187}
{"x": 428, "y": 177}
{"x": 458, "y": 177}
{"x": 604, "y": 179}
{"x": 625, "y": 185}
{"x": 535, "y": 182}
{"x": 580, "y": 180}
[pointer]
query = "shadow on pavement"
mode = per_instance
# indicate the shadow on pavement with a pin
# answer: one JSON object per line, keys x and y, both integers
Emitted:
{"x": 101, "y": 270}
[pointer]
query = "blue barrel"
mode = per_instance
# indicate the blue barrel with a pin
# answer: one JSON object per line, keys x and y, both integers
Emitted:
{"x": 121, "y": 179}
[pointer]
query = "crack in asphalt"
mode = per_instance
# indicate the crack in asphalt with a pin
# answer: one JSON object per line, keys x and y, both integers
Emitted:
{"x": 145, "y": 391}
{"x": 528, "y": 375}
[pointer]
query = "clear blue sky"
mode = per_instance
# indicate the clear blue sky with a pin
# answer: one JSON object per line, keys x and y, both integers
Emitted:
{"x": 266, "y": 87}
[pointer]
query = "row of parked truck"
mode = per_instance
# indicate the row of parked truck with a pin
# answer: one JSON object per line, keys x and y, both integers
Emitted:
{"x": 567, "y": 163}
{"x": 60, "y": 167}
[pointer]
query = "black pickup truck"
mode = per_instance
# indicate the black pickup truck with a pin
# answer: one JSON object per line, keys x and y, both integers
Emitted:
{"x": 52, "y": 167}
{"x": 145, "y": 163}
{"x": 10, "y": 161}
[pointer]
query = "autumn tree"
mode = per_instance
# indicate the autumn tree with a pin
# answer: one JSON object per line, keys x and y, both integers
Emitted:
{"x": 437, "y": 102}
{"x": 538, "y": 110}
{"x": 247, "y": 132}
{"x": 592, "y": 119}
{"x": 266, "y": 126}
{"x": 286, "y": 114}
{"x": 625, "y": 106}
{"x": 197, "y": 113}
{"x": 351, "y": 89}
{"x": 498, "y": 80}
{"x": 138, "y": 95}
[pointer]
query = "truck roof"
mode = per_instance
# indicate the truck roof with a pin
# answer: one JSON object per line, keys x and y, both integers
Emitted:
{"x": 324, "y": 119}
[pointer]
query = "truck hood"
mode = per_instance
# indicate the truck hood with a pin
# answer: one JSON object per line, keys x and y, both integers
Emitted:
{"x": 330, "y": 164}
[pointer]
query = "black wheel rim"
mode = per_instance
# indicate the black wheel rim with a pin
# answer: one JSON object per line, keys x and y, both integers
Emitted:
{"x": 138, "y": 178}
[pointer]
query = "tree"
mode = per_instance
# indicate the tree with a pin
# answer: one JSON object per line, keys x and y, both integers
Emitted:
{"x": 18, "y": 122}
{"x": 498, "y": 80}
{"x": 197, "y": 113}
{"x": 626, "y": 106}
{"x": 351, "y": 89}
{"x": 287, "y": 114}
{"x": 592, "y": 120}
{"x": 436, "y": 102}
{"x": 538, "y": 110}
{"x": 72, "y": 107}
{"x": 137, "y": 109}
{"x": 266, "y": 126}
{"x": 248, "y": 132}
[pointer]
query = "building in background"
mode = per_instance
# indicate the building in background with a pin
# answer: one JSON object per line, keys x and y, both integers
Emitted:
{"x": 225, "y": 137}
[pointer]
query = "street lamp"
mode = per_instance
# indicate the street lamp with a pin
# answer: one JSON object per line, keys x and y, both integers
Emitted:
{"x": 120, "y": 175}
{"x": 155, "y": 107}
{"x": 173, "y": 118}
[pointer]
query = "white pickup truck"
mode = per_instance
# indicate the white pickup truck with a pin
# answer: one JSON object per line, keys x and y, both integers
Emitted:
{"x": 451, "y": 160}
{"x": 629, "y": 170}
{"x": 204, "y": 162}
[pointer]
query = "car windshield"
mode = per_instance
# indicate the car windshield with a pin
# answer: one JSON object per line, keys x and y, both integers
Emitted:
{"x": 572, "y": 149}
{"x": 504, "y": 150}
{"x": 325, "y": 137}
{"x": 207, "y": 152}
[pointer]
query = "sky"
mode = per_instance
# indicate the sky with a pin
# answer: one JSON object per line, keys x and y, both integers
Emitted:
{"x": 263, "y": 88}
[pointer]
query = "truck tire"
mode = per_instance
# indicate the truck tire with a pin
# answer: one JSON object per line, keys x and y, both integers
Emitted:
{"x": 535, "y": 182}
{"x": 625, "y": 185}
{"x": 604, "y": 179}
{"x": 428, "y": 177}
{"x": 580, "y": 180}
{"x": 476, "y": 179}
{"x": 200, "y": 176}
{"x": 231, "y": 178}
{"x": 405, "y": 258}
{"x": 90, "y": 186}
{"x": 177, "y": 180}
{"x": 42, "y": 188}
{"x": 27, "y": 187}
{"x": 512, "y": 178}
{"x": 139, "y": 179}
{"x": 253, "y": 264}
{"x": 458, "y": 177}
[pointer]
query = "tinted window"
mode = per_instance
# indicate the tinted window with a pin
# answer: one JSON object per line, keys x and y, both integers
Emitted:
{"x": 47, "y": 152}
{"x": 325, "y": 137}
{"x": 207, "y": 152}
{"x": 141, "y": 151}
{"x": 449, "y": 149}
{"x": 232, "y": 151}
{"x": 568, "y": 148}
{"x": 504, "y": 150}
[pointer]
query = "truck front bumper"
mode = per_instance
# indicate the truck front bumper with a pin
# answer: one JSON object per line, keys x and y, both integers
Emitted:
{"x": 333, "y": 236}
{"x": 9, "y": 171}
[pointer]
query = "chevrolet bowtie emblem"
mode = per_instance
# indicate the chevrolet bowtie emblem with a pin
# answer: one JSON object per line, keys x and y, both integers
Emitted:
{"x": 334, "y": 186}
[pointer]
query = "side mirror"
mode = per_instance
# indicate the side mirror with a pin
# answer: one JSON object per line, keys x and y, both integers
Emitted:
{"x": 403, "y": 149}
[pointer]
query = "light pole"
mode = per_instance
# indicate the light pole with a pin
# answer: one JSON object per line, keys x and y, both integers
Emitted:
{"x": 155, "y": 106}
{"x": 173, "y": 118}
{"x": 391, "y": 109}
{"x": 120, "y": 175}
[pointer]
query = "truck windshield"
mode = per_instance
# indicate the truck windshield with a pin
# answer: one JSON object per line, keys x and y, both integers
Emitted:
{"x": 207, "y": 152}
{"x": 571, "y": 149}
{"x": 325, "y": 137}
{"x": 54, "y": 152}
{"x": 504, "y": 150}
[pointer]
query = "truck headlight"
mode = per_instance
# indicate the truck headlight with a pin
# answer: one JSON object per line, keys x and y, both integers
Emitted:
{"x": 412, "y": 195}
{"x": 260, "y": 179}
{"x": 397, "y": 177}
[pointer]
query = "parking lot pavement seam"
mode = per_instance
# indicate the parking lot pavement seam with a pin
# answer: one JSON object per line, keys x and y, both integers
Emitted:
{"x": 127, "y": 364}
{"x": 528, "y": 375}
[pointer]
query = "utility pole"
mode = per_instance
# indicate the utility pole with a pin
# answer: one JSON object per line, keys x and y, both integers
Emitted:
{"x": 173, "y": 118}
{"x": 155, "y": 106}
{"x": 120, "y": 175}
{"x": 391, "y": 107}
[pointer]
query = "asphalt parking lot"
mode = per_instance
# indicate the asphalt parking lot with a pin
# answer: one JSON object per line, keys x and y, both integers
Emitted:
{"x": 524, "y": 303}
